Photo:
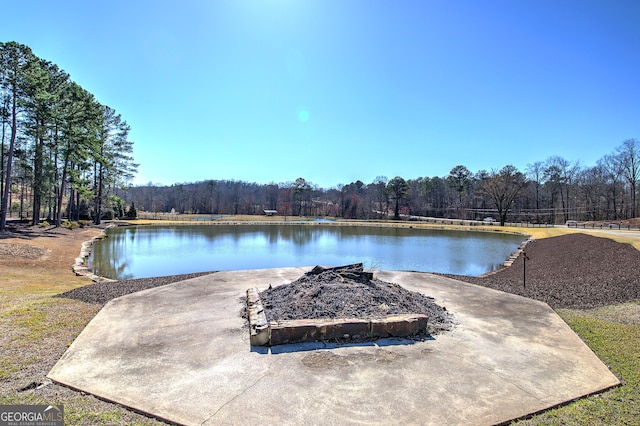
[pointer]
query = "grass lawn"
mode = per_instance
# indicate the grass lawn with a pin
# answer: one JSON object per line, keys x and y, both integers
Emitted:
{"x": 613, "y": 333}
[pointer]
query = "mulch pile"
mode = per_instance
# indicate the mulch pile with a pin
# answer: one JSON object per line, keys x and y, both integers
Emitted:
{"x": 348, "y": 292}
{"x": 101, "y": 293}
{"x": 571, "y": 271}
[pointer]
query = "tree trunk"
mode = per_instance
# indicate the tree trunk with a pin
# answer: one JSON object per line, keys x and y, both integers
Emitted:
{"x": 61, "y": 193}
{"x": 12, "y": 145}
{"x": 38, "y": 178}
{"x": 4, "y": 124}
{"x": 98, "y": 203}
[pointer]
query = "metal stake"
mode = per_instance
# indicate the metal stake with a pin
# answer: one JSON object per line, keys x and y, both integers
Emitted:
{"x": 524, "y": 269}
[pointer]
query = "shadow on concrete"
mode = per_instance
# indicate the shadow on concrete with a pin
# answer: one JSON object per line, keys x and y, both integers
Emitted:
{"x": 314, "y": 346}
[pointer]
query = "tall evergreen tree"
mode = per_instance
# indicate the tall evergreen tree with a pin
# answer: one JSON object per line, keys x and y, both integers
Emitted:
{"x": 14, "y": 60}
{"x": 113, "y": 160}
{"x": 81, "y": 121}
{"x": 460, "y": 180}
{"x": 397, "y": 188}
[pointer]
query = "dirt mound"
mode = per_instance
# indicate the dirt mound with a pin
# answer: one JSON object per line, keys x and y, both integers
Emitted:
{"x": 571, "y": 271}
{"x": 348, "y": 292}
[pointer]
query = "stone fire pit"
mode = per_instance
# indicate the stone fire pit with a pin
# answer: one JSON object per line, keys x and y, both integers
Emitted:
{"x": 342, "y": 303}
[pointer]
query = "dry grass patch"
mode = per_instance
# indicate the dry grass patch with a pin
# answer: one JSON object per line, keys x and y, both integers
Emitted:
{"x": 36, "y": 328}
{"x": 35, "y": 333}
{"x": 625, "y": 313}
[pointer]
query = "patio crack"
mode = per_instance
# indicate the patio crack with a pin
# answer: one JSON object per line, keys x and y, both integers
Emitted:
{"x": 495, "y": 373}
{"x": 258, "y": 380}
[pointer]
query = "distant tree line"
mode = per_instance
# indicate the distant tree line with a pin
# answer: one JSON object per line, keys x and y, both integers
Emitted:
{"x": 62, "y": 152}
{"x": 550, "y": 191}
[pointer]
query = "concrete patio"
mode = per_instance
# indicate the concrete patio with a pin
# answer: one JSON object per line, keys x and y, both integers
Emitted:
{"x": 181, "y": 353}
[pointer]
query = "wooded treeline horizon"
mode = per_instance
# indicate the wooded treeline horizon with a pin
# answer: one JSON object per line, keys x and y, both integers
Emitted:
{"x": 551, "y": 192}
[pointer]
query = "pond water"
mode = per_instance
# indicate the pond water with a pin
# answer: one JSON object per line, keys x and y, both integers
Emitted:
{"x": 147, "y": 251}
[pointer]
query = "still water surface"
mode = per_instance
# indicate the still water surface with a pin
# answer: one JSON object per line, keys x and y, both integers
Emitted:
{"x": 147, "y": 251}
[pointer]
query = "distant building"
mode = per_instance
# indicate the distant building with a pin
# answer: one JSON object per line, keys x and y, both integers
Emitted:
{"x": 270, "y": 212}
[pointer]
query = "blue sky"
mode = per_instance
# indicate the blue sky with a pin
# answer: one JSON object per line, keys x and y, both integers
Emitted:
{"x": 336, "y": 91}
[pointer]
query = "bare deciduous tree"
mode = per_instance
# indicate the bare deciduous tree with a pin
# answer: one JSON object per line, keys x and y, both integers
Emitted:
{"x": 503, "y": 187}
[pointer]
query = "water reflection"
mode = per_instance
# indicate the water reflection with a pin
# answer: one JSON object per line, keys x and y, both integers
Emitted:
{"x": 138, "y": 252}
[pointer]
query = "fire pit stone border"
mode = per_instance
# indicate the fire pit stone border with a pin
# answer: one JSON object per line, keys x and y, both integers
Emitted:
{"x": 272, "y": 333}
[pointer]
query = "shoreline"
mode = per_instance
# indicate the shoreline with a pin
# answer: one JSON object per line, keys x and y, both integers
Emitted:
{"x": 557, "y": 272}
{"x": 80, "y": 269}
{"x": 445, "y": 225}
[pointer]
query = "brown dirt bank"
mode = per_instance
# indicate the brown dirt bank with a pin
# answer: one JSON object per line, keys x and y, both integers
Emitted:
{"x": 571, "y": 271}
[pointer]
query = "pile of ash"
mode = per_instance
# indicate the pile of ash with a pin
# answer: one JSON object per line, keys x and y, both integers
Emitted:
{"x": 349, "y": 292}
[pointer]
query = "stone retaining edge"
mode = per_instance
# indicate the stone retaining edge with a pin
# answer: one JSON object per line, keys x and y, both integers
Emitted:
{"x": 271, "y": 333}
{"x": 258, "y": 325}
{"x": 517, "y": 253}
{"x": 79, "y": 267}
{"x": 512, "y": 257}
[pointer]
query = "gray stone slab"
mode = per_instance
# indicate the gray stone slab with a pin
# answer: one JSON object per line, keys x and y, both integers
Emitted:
{"x": 181, "y": 352}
